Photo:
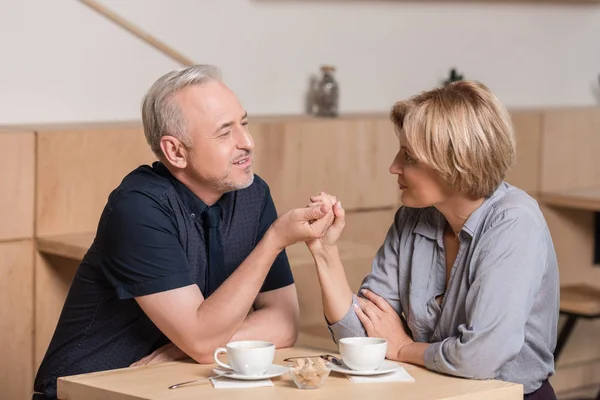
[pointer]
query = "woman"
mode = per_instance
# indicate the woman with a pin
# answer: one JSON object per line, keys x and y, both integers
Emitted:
{"x": 468, "y": 262}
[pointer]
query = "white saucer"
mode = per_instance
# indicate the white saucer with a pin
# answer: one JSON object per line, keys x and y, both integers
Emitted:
{"x": 385, "y": 368}
{"x": 273, "y": 371}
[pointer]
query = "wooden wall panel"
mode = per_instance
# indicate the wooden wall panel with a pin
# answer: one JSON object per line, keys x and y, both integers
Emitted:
{"x": 53, "y": 277}
{"x": 348, "y": 157}
{"x": 16, "y": 319}
{"x": 368, "y": 227}
{"x": 77, "y": 170}
{"x": 571, "y": 145}
{"x": 17, "y": 158}
{"x": 525, "y": 173}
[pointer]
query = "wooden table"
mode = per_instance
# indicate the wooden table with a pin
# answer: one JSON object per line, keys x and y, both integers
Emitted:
{"x": 152, "y": 382}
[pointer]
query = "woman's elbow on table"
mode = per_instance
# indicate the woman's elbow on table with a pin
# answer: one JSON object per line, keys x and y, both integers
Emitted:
{"x": 473, "y": 361}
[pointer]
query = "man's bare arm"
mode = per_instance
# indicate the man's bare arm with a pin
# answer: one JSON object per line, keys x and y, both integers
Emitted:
{"x": 275, "y": 320}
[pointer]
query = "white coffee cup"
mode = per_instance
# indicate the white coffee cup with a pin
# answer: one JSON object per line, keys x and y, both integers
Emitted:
{"x": 363, "y": 353}
{"x": 248, "y": 357}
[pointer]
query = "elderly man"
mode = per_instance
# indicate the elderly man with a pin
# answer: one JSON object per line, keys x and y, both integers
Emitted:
{"x": 185, "y": 247}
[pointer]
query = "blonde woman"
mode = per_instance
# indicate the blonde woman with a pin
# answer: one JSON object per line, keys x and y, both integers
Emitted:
{"x": 466, "y": 282}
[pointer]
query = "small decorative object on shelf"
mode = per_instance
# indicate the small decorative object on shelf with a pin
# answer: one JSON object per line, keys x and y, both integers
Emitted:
{"x": 327, "y": 93}
{"x": 454, "y": 77}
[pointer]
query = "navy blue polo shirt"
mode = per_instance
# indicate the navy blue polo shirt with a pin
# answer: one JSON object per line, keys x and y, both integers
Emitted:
{"x": 150, "y": 239}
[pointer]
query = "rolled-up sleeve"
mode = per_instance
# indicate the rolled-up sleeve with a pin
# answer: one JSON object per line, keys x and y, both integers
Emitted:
{"x": 508, "y": 264}
{"x": 382, "y": 280}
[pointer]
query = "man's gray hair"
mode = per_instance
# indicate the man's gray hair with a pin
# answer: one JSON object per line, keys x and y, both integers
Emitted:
{"x": 161, "y": 116}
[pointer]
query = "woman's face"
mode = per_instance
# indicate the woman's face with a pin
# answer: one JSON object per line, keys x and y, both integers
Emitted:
{"x": 420, "y": 185}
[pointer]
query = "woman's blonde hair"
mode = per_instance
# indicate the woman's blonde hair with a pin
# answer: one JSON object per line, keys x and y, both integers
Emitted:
{"x": 463, "y": 132}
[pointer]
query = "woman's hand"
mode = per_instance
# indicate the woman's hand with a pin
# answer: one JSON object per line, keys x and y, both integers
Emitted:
{"x": 333, "y": 233}
{"x": 381, "y": 320}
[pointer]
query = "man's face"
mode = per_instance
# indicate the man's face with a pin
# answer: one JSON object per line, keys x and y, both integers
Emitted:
{"x": 220, "y": 156}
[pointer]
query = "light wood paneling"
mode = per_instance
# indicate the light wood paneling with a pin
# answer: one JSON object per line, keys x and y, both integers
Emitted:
{"x": 16, "y": 319}
{"x": 368, "y": 227}
{"x": 53, "y": 277}
{"x": 525, "y": 173}
{"x": 77, "y": 170}
{"x": 17, "y": 155}
{"x": 348, "y": 158}
{"x": 571, "y": 144}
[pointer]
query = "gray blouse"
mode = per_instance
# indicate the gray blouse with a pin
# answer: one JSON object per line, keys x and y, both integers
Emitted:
{"x": 499, "y": 314}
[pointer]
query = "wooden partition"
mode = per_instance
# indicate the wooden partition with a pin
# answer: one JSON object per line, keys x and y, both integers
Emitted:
{"x": 571, "y": 149}
{"x": 525, "y": 173}
{"x": 17, "y": 160}
{"x": 16, "y": 318}
{"x": 78, "y": 167}
{"x": 17, "y": 157}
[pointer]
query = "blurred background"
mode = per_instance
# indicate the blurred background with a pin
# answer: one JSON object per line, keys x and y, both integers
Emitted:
{"x": 72, "y": 79}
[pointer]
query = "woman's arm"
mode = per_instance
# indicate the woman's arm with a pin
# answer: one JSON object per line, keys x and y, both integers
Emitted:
{"x": 337, "y": 295}
{"x": 335, "y": 290}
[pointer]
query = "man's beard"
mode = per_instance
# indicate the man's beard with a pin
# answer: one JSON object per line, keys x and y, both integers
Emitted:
{"x": 225, "y": 185}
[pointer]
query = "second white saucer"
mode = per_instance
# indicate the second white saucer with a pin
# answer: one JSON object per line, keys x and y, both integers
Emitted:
{"x": 385, "y": 368}
{"x": 273, "y": 371}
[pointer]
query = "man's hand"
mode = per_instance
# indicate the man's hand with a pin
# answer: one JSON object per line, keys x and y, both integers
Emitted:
{"x": 381, "y": 320}
{"x": 168, "y": 352}
{"x": 302, "y": 224}
{"x": 334, "y": 232}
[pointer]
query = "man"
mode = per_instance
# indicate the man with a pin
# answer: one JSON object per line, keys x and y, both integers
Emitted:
{"x": 185, "y": 247}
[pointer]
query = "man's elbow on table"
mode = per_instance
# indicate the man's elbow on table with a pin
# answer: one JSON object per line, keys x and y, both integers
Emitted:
{"x": 289, "y": 336}
{"x": 202, "y": 355}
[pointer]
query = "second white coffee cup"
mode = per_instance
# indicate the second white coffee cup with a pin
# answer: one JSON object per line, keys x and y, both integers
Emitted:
{"x": 363, "y": 353}
{"x": 248, "y": 357}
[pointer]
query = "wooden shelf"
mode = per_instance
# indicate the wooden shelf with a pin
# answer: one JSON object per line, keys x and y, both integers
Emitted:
{"x": 73, "y": 246}
{"x": 583, "y": 199}
{"x": 580, "y": 299}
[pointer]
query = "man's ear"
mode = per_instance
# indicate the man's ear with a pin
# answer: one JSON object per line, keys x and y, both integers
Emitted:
{"x": 174, "y": 151}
